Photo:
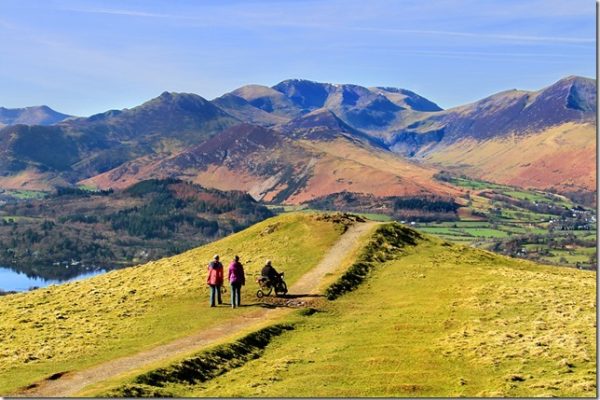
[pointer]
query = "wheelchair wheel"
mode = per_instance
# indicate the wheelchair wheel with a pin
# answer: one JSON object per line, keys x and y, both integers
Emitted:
{"x": 282, "y": 289}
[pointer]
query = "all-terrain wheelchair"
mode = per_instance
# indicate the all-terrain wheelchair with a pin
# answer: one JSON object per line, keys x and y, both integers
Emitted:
{"x": 267, "y": 286}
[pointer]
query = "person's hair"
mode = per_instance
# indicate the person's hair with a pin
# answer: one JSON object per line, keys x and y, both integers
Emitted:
{"x": 216, "y": 257}
{"x": 268, "y": 262}
{"x": 237, "y": 258}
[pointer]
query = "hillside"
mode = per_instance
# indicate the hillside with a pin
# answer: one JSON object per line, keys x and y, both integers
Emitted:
{"x": 308, "y": 161}
{"x": 41, "y": 157}
{"x": 37, "y": 115}
{"x": 428, "y": 318}
{"x": 558, "y": 158}
{"x": 553, "y": 130}
{"x": 445, "y": 320}
{"x": 439, "y": 321}
{"x": 76, "y": 325}
{"x": 77, "y": 231}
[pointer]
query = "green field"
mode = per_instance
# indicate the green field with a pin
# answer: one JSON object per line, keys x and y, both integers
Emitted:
{"x": 26, "y": 194}
{"x": 506, "y": 221}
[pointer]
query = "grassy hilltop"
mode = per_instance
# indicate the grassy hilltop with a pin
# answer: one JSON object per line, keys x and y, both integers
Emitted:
{"x": 71, "y": 326}
{"x": 413, "y": 316}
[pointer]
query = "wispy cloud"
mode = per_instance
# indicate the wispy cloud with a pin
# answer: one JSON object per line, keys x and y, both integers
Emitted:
{"x": 279, "y": 20}
{"x": 507, "y": 37}
{"x": 129, "y": 13}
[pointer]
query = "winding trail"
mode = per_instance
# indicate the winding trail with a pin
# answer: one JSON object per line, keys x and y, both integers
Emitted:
{"x": 71, "y": 383}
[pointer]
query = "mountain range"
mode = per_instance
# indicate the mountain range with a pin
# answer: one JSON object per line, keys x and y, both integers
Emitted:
{"x": 300, "y": 140}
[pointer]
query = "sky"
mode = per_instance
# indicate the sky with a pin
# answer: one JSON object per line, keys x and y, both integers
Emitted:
{"x": 88, "y": 56}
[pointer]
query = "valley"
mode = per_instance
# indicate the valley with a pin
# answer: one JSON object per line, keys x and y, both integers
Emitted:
{"x": 79, "y": 231}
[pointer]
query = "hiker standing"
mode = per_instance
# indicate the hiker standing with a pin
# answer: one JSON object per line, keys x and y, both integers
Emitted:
{"x": 215, "y": 280}
{"x": 237, "y": 280}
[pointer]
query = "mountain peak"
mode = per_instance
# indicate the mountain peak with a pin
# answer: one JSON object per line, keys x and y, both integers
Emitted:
{"x": 306, "y": 94}
{"x": 33, "y": 115}
{"x": 407, "y": 99}
{"x": 578, "y": 93}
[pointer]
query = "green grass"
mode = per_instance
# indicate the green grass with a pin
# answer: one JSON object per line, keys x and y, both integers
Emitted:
{"x": 89, "y": 188}
{"x": 26, "y": 194}
{"x": 376, "y": 217}
{"x": 483, "y": 232}
{"x": 441, "y": 321}
{"x": 75, "y": 325}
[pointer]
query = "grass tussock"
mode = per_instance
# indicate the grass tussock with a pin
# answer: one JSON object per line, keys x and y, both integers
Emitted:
{"x": 385, "y": 244}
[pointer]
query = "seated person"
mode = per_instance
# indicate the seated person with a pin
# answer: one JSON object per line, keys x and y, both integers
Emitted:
{"x": 270, "y": 273}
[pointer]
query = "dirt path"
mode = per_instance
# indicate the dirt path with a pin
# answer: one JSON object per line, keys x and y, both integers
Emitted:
{"x": 71, "y": 383}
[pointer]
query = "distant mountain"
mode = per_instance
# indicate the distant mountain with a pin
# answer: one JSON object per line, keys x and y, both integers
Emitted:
{"x": 277, "y": 142}
{"x": 543, "y": 139}
{"x": 37, "y": 115}
{"x": 183, "y": 117}
{"x": 572, "y": 99}
{"x": 323, "y": 124}
{"x": 360, "y": 107}
{"x": 269, "y": 100}
{"x": 371, "y": 109}
{"x": 241, "y": 109}
{"x": 84, "y": 147}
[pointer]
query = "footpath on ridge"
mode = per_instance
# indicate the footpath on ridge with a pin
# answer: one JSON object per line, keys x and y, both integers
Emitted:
{"x": 73, "y": 382}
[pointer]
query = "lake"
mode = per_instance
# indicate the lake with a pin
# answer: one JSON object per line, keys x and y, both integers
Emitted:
{"x": 18, "y": 281}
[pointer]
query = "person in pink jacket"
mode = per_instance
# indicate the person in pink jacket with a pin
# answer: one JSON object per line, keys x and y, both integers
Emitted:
{"x": 215, "y": 280}
{"x": 237, "y": 279}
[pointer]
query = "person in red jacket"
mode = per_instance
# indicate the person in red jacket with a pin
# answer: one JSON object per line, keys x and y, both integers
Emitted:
{"x": 215, "y": 280}
{"x": 237, "y": 279}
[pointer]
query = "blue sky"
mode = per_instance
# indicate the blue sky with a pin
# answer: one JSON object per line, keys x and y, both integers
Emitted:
{"x": 88, "y": 56}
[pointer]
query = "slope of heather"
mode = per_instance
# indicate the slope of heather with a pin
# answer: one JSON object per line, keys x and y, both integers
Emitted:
{"x": 72, "y": 326}
{"x": 273, "y": 167}
{"x": 561, "y": 157}
{"x": 37, "y": 115}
